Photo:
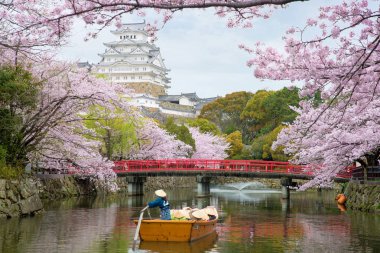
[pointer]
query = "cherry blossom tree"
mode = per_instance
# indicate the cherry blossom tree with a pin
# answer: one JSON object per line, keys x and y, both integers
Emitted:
{"x": 341, "y": 63}
{"x": 209, "y": 146}
{"x": 155, "y": 143}
{"x": 54, "y": 133}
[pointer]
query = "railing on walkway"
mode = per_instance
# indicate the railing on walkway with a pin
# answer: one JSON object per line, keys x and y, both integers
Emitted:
{"x": 126, "y": 166}
{"x": 373, "y": 175}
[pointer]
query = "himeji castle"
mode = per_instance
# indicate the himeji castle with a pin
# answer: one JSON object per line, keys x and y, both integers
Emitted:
{"x": 131, "y": 59}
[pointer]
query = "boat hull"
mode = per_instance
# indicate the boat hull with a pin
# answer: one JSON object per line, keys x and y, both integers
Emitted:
{"x": 175, "y": 230}
{"x": 202, "y": 245}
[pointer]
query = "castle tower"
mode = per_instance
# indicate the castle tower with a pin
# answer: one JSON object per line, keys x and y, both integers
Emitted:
{"x": 132, "y": 60}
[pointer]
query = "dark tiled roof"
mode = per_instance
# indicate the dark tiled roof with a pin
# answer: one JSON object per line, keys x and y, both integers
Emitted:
{"x": 191, "y": 96}
{"x": 84, "y": 65}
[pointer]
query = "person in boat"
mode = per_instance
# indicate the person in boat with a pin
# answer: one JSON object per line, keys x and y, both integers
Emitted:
{"x": 162, "y": 202}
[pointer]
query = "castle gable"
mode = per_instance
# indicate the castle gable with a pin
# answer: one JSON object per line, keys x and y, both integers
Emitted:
{"x": 138, "y": 50}
{"x": 156, "y": 59}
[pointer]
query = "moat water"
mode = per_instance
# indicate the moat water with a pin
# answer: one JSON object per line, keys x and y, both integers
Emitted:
{"x": 251, "y": 220}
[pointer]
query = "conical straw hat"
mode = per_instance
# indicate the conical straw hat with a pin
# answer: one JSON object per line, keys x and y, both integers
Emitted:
{"x": 200, "y": 214}
{"x": 210, "y": 210}
{"x": 176, "y": 214}
{"x": 186, "y": 213}
{"x": 160, "y": 193}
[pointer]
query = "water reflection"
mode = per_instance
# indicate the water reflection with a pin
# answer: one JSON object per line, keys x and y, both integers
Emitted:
{"x": 67, "y": 229}
{"x": 250, "y": 221}
{"x": 200, "y": 245}
{"x": 134, "y": 201}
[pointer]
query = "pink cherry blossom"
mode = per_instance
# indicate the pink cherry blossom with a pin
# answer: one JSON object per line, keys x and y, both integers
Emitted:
{"x": 208, "y": 146}
{"x": 156, "y": 143}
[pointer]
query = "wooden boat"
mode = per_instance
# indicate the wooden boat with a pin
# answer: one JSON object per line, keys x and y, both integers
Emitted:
{"x": 202, "y": 245}
{"x": 175, "y": 230}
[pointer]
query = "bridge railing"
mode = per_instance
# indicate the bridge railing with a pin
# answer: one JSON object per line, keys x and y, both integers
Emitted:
{"x": 208, "y": 165}
{"x": 126, "y": 166}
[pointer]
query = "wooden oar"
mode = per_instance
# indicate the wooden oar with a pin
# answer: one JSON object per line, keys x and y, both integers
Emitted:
{"x": 138, "y": 227}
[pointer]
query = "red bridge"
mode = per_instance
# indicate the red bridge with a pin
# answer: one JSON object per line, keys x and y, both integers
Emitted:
{"x": 137, "y": 172}
{"x": 239, "y": 168}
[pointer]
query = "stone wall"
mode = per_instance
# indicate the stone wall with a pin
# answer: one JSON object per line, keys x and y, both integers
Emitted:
{"x": 19, "y": 197}
{"x": 154, "y": 183}
{"x": 363, "y": 197}
{"x": 23, "y": 196}
{"x": 169, "y": 183}
{"x": 65, "y": 186}
{"x": 147, "y": 88}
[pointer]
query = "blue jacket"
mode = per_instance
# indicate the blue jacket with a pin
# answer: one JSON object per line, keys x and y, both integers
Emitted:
{"x": 163, "y": 205}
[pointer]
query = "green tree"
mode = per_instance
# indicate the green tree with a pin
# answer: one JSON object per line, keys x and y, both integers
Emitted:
{"x": 18, "y": 97}
{"x": 268, "y": 109}
{"x": 181, "y": 132}
{"x": 116, "y": 130}
{"x": 225, "y": 112}
{"x": 236, "y": 145}
{"x": 254, "y": 113}
{"x": 277, "y": 154}
{"x": 204, "y": 125}
{"x": 257, "y": 148}
{"x": 278, "y": 108}
{"x": 262, "y": 147}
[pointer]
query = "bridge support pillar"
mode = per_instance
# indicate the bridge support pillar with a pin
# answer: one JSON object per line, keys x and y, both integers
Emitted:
{"x": 203, "y": 186}
{"x": 135, "y": 185}
{"x": 285, "y": 183}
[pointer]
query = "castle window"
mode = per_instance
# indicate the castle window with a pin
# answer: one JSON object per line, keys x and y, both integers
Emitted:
{"x": 121, "y": 37}
{"x": 140, "y": 77}
{"x": 144, "y": 69}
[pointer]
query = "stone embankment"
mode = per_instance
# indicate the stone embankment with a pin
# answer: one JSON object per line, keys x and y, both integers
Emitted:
{"x": 169, "y": 183}
{"x": 19, "y": 197}
{"x": 361, "y": 197}
{"x": 62, "y": 186}
{"x": 23, "y": 196}
{"x": 154, "y": 183}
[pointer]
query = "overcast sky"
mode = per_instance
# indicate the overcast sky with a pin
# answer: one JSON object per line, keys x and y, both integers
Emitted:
{"x": 201, "y": 53}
